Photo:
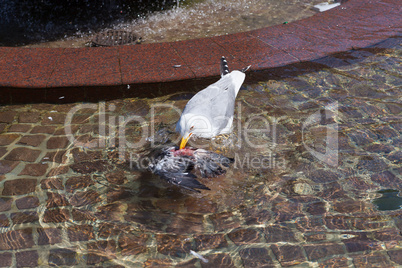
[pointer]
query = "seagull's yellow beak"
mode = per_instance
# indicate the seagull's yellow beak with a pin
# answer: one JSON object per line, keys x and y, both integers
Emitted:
{"x": 184, "y": 141}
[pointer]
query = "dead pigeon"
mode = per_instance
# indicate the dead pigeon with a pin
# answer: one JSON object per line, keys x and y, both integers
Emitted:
{"x": 177, "y": 166}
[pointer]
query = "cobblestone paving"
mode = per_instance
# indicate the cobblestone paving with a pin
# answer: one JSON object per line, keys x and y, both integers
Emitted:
{"x": 77, "y": 202}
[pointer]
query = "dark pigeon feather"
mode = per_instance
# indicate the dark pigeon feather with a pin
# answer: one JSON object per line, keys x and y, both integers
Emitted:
{"x": 176, "y": 166}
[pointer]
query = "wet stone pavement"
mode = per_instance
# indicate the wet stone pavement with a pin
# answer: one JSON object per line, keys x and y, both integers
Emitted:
{"x": 85, "y": 200}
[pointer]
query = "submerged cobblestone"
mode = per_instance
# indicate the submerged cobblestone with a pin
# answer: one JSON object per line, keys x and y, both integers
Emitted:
{"x": 77, "y": 202}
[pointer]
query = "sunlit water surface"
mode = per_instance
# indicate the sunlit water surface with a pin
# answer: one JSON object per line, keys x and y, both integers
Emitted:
{"x": 280, "y": 204}
{"x": 206, "y": 18}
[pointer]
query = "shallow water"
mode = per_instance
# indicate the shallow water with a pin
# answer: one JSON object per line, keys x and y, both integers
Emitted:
{"x": 314, "y": 143}
{"x": 203, "y": 19}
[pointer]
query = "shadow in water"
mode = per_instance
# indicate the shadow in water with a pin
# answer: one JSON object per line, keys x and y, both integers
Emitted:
{"x": 185, "y": 88}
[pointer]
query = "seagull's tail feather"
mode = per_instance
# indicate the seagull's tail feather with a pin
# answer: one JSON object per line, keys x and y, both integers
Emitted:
{"x": 245, "y": 69}
{"x": 224, "y": 66}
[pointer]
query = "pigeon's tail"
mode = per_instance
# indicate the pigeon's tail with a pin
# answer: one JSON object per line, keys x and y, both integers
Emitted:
{"x": 185, "y": 180}
{"x": 224, "y": 66}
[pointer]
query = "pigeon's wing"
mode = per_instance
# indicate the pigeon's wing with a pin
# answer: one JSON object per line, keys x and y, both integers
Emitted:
{"x": 211, "y": 164}
{"x": 164, "y": 160}
{"x": 185, "y": 180}
{"x": 177, "y": 165}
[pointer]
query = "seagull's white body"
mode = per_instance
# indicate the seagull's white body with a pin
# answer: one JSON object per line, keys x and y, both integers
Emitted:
{"x": 210, "y": 112}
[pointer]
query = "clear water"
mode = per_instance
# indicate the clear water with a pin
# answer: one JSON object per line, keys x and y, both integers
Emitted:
{"x": 313, "y": 145}
{"x": 198, "y": 19}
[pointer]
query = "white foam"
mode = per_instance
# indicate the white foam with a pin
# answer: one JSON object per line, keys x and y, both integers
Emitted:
{"x": 205, "y": 18}
{"x": 211, "y": 18}
{"x": 326, "y": 6}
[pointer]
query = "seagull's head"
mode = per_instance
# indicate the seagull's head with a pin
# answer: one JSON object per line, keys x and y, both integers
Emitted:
{"x": 191, "y": 124}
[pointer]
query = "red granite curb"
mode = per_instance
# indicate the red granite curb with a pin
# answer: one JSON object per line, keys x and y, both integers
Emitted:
{"x": 354, "y": 24}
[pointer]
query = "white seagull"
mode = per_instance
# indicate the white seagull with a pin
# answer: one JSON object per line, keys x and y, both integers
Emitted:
{"x": 210, "y": 112}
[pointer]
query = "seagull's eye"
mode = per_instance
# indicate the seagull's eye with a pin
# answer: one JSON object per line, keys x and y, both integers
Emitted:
{"x": 191, "y": 128}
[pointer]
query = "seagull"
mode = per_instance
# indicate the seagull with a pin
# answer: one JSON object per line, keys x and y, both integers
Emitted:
{"x": 209, "y": 113}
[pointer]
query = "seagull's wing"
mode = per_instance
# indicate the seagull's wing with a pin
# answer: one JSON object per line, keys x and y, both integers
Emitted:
{"x": 223, "y": 104}
{"x": 204, "y": 98}
{"x": 215, "y": 103}
{"x": 222, "y": 108}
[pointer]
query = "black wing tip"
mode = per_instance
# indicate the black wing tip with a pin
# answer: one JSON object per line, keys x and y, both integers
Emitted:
{"x": 224, "y": 66}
